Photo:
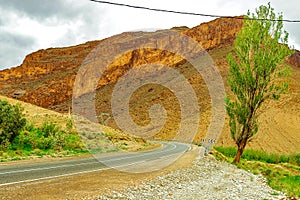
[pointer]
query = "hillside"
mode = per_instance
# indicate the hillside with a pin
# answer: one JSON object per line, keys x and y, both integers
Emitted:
{"x": 37, "y": 115}
{"x": 46, "y": 79}
{"x": 115, "y": 139}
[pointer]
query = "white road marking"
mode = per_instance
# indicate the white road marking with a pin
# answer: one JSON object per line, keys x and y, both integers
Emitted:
{"x": 44, "y": 168}
{"x": 105, "y": 161}
{"x": 63, "y": 175}
{"x": 88, "y": 171}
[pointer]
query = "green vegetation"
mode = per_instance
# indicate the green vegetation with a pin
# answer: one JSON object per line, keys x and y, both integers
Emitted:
{"x": 49, "y": 139}
{"x": 261, "y": 156}
{"x": 49, "y": 136}
{"x": 12, "y": 121}
{"x": 281, "y": 171}
{"x": 19, "y": 138}
{"x": 257, "y": 72}
{"x": 46, "y": 133}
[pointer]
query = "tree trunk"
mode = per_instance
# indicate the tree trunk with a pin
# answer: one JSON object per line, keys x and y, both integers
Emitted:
{"x": 240, "y": 151}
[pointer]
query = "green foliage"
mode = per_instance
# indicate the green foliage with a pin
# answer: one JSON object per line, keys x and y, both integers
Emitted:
{"x": 257, "y": 71}
{"x": 261, "y": 156}
{"x": 12, "y": 122}
{"x": 226, "y": 151}
{"x": 290, "y": 183}
{"x": 49, "y": 139}
{"x": 69, "y": 124}
{"x": 49, "y": 136}
{"x": 281, "y": 176}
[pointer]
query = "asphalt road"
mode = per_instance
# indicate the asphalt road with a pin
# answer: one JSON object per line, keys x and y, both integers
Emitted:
{"x": 48, "y": 170}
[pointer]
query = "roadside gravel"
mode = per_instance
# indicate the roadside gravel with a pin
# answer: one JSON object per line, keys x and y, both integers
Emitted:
{"x": 206, "y": 179}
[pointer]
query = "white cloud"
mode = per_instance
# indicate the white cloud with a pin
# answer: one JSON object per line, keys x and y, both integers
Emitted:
{"x": 45, "y": 24}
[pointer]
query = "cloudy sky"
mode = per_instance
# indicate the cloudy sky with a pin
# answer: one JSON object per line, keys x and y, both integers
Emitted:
{"x": 30, "y": 25}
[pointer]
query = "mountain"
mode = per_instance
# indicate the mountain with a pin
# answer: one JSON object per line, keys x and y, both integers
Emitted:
{"x": 46, "y": 78}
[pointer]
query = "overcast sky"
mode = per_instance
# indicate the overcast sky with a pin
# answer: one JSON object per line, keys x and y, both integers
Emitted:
{"x": 30, "y": 25}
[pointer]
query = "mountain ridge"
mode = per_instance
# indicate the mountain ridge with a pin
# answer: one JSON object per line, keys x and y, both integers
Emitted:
{"x": 66, "y": 61}
{"x": 46, "y": 79}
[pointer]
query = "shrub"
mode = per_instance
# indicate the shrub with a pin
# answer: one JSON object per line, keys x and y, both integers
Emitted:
{"x": 12, "y": 121}
{"x": 69, "y": 124}
{"x": 47, "y": 137}
{"x": 73, "y": 142}
{"x": 295, "y": 159}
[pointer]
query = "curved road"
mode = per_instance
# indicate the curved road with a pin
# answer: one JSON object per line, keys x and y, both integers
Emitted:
{"x": 47, "y": 170}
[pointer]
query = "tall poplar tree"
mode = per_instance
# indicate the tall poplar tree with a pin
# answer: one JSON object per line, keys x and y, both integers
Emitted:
{"x": 257, "y": 72}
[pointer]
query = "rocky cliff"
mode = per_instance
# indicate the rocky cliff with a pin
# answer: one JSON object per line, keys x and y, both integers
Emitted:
{"x": 295, "y": 59}
{"x": 46, "y": 77}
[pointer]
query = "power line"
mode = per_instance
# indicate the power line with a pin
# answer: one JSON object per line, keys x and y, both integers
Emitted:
{"x": 189, "y": 13}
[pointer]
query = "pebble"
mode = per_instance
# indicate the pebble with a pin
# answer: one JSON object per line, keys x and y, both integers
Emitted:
{"x": 206, "y": 179}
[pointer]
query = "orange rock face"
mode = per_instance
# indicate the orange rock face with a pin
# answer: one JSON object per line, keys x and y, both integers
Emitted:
{"x": 216, "y": 33}
{"x": 46, "y": 77}
{"x": 295, "y": 59}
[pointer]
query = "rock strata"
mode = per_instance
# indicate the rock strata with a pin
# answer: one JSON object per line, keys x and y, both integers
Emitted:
{"x": 46, "y": 77}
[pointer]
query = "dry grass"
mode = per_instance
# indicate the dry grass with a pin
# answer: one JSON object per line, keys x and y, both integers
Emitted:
{"x": 37, "y": 115}
{"x": 108, "y": 140}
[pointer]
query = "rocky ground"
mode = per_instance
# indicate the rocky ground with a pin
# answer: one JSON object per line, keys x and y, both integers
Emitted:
{"x": 206, "y": 179}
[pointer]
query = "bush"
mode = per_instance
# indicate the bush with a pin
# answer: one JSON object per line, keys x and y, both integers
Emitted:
{"x": 12, "y": 121}
{"x": 47, "y": 137}
{"x": 295, "y": 159}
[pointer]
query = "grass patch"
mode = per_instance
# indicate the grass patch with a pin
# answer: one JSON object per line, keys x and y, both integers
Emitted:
{"x": 257, "y": 155}
{"x": 12, "y": 155}
{"x": 291, "y": 183}
{"x": 281, "y": 171}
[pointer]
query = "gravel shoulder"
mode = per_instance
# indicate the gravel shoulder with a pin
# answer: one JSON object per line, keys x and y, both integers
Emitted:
{"x": 206, "y": 179}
